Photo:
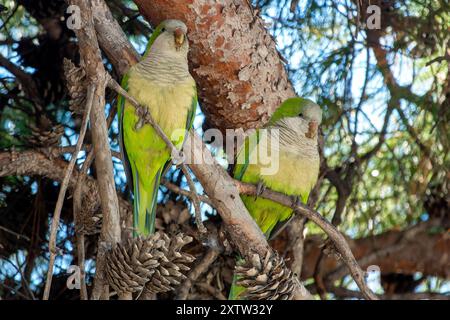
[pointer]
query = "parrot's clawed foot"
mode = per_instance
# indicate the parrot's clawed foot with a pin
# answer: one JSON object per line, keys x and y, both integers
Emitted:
{"x": 296, "y": 201}
{"x": 260, "y": 187}
{"x": 139, "y": 124}
{"x": 142, "y": 116}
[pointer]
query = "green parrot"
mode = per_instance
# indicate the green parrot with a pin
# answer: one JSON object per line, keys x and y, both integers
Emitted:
{"x": 162, "y": 82}
{"x": 296, "y": 121}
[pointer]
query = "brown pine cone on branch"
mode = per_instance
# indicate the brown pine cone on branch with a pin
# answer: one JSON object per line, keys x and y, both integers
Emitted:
{"x": 154, "y": 264}
{"x": 76, "y": 83}
{"x": 266, "y": 278}
{"x": 45, "y": 134}
{"x": 172, "y": 266}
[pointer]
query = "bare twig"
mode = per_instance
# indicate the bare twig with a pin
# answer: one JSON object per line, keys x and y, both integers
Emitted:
{"x": 14, "y": 290}
{"x": 24, "y": 279}
{"x": 187, "y": 193}
{"x": 57, "y": 151}
{"x": 62, "y": 191}
{"x": 77, "y": 196}
{"x": 209, "y": 257}
{"x": 26, "y": 80}
{"x": 18, "y": 235}
{"x": 95, "y": 72}
{"x": 195, "y": 199}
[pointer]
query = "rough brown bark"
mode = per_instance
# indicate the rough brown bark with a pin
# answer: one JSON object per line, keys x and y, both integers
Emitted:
{"x": 232, "y": 58}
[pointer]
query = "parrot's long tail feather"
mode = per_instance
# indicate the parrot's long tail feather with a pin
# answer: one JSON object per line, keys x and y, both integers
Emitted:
{"x": 144, "y": 205}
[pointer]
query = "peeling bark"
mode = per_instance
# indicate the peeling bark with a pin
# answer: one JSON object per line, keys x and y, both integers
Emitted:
{"x": 232, "y": 58}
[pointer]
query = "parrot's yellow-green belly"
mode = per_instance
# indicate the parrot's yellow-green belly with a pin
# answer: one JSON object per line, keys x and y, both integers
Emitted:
{"x": 169, "y": 106}
{"x": 296, "y": 176}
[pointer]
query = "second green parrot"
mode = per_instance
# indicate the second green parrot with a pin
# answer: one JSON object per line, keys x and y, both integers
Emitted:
{"x": 294, "y": 143}
{"x": 162, "y": 82}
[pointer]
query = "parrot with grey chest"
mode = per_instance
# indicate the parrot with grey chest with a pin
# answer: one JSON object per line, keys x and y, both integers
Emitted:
{"x": 291, "y": 135}
{"x": 160, "y": 81}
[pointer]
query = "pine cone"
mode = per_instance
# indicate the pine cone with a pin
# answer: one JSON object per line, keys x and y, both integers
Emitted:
{"x": 154, "y": 263}
{"x": 267, "y": 279}
{"x": 129, "y": 266}
{"x": 89, "y": 220}
{"x": 46, "y": 137}
{"x": 76, "y": 85}
{"x": 89, "y": 224}
{"x": 172, "y": 267}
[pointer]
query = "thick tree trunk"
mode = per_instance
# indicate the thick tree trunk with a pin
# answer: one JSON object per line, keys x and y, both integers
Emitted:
{"x": 232, "y": 58}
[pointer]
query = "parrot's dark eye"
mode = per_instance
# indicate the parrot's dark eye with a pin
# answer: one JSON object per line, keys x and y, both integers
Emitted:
{"x": 300, "y": 114}
{"x": 163, "y": 29}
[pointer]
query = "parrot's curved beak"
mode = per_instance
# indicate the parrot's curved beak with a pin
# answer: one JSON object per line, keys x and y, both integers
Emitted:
{"x": 313, "y": 127}
{"x": 179, "y": 37}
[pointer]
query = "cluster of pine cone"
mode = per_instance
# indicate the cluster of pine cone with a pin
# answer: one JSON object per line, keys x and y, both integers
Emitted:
{"x": 153, "y": 264}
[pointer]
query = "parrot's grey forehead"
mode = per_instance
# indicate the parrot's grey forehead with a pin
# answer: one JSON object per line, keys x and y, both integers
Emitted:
{"x": 312, "y": 111}
{"x": 311, "y": 106}
{"x": 172, "y": 24}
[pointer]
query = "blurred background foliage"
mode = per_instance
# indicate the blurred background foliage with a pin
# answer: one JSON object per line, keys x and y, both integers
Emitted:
{"x": 385, "y": 94}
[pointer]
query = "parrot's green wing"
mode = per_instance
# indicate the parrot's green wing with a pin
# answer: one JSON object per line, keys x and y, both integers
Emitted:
{"x": 243, "y": 159}
{"x": 191, "y": 112}
{"x": 189, "y": 122}
{"x": 289, "y": 108}
{"x": 120, "y": 108}
{"x": 152, "y": 39}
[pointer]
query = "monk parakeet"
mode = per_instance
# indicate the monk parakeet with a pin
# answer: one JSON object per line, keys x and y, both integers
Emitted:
{"x": 162, "y": 82}
{"x": 296, "y": 123}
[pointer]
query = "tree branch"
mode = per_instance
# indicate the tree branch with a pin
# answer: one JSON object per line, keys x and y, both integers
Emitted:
{"x": 62, "y": 191}
{"x": 209, "y": 257}
{"x": 95, "y": 72}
